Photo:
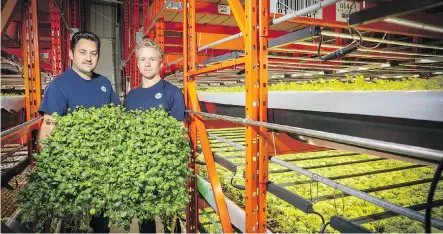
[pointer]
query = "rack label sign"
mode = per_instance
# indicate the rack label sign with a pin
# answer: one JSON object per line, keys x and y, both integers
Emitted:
{"x": 175, "y": 5}
{"x": 289, "y": 6}
{"x": 224, "y": 9}
{"x": 343, "y": 8}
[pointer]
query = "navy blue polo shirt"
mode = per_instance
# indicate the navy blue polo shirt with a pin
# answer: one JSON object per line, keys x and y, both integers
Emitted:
{"x": 70, "y": 90}
{"x": 162, "y": 93}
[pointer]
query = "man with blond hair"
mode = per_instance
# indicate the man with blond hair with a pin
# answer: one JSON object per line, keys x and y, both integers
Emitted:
{"x": 154, "y": 91}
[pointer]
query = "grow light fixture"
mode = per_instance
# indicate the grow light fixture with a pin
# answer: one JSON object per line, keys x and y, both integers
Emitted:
{"x": 340, "y": 52}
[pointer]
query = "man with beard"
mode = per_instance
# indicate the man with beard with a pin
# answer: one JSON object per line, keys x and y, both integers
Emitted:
{"x": 78, "y": 86}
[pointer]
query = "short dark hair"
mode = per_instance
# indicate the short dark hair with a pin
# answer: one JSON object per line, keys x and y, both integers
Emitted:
{"x": 85, "y": 35}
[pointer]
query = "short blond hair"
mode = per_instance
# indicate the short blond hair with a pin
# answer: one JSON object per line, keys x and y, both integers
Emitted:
{"x": 146, "y": 42}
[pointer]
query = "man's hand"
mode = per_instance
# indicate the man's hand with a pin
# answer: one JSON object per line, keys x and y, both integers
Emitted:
{"x": 45, "y": 130}
{"x": 186, "y": 134}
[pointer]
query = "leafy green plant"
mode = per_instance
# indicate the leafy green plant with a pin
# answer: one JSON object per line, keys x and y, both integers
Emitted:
{"x": 359, "y": 84}
{"x": 106, "y": 161}
{"x": 12, "y": 94}
{"x": 284, "y": 218}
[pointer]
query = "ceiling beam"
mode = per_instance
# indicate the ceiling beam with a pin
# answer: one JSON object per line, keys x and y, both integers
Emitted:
{"x": 329, "y": 20}
{"x": 7, "y": 11}
{"x": 391, "y": 9}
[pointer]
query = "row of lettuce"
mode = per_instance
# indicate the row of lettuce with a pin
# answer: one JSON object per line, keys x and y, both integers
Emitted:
{"x": 352, "y": 83}
{"x": 283, "y": 217}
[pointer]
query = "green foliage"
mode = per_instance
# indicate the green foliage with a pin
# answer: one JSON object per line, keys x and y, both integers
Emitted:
{"x": 359, "y": 84}
{"x": 11, "y": 94}
{"x": 284, "y": 218}
{"x": 122, "y": 165}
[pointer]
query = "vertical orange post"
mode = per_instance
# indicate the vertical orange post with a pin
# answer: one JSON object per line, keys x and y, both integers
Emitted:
{"x": 197, "y": 125}
{"x": 31, "y": 65}
{"x": 31, "y": 59}
{"x": 252, "y": 85}
{"x": 135, "y": 29}
{"x": 56, "y": 40}
{"x": 263, "y": 141}
{"x": 160, "y": 28}
{"x": 192, "y": 209}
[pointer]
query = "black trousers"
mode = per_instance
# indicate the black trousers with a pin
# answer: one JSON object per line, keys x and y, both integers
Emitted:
{"x": 148, "y": 226}
{"x": 99, "y": 224}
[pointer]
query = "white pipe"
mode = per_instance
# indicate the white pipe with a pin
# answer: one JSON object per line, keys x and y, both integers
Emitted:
{"x": 414, "y": 24}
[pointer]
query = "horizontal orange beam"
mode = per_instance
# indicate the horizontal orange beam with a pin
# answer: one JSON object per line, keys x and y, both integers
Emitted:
{"x": 222, "y": 65}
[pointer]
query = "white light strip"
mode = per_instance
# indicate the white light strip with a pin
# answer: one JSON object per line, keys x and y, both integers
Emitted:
{"x": 413, "y": 24}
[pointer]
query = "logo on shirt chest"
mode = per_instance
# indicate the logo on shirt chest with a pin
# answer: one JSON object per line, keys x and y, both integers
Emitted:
{"x": 158, "y": 96}
{"x": 103, "y": 89}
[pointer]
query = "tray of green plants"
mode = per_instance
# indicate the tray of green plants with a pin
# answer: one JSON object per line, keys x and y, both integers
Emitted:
{"x": 352, "y": 83}
{"x": 399, "y": 182}
{"x": 108, "y": 162}
{"x": 416, "y": 99}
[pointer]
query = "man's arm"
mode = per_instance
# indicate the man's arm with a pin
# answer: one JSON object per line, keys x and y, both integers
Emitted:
{"x": 45, "y": 130}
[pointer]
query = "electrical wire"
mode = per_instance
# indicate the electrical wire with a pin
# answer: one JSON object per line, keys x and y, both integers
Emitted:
{"x": 431, "y": 193}
{"x": 237, "y": 186}
{"x": 323, "y": 228}
{"x": 321, "y": 216}
{"x": 360, "y": 43}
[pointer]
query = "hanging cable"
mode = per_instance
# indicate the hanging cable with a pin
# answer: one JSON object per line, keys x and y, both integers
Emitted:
{"x": 321, "y": 216}
{"x": 434, "y": 183}
{"x": 360, "y": 43}
{"x": 237, "y": 186}
{"x": 338, "y": 53}
{"x": 323, "y": 228}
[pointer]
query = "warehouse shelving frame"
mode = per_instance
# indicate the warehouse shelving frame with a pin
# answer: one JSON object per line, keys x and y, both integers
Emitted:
{"x": 31, "y": 65}
{"x": 253, "y": 23}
